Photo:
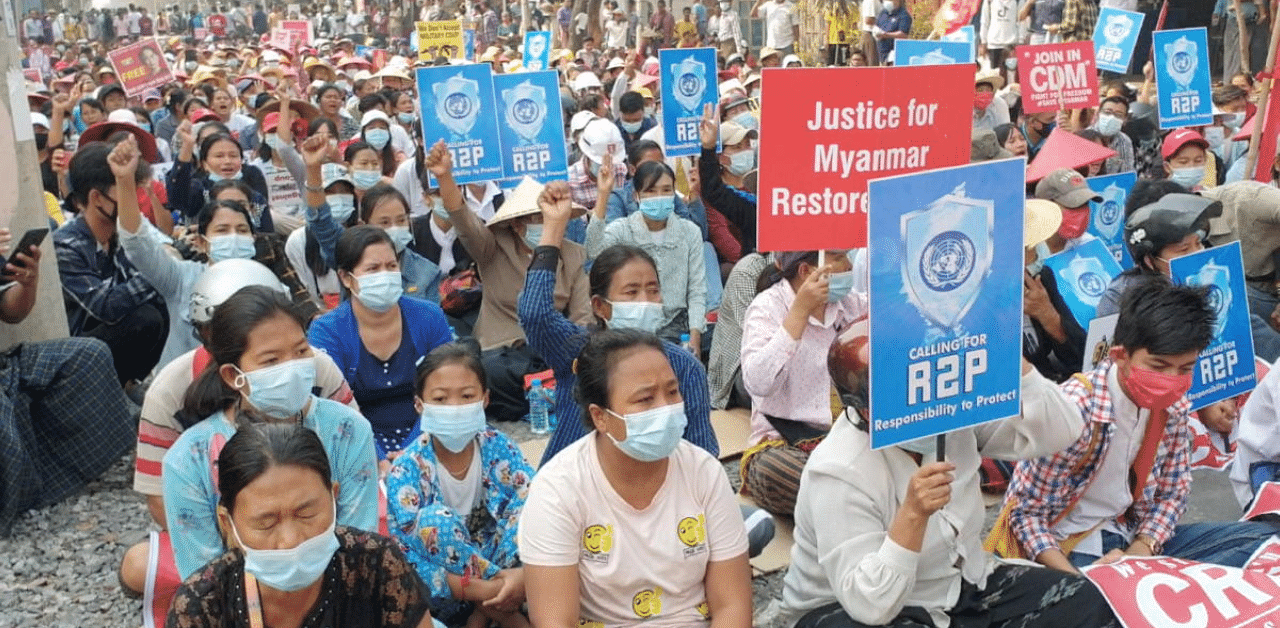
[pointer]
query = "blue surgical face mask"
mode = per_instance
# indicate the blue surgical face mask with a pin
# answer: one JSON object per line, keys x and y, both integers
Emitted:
{"x": 437, "y": 208}
{"x": 658, "y": 207}
{"x": 215, "y": 177}
{"x": 1187, "y": 177}
{"x": 341, "y": 206}
{"x": 593, "y": 168}
{"x": 380, "y": 291}
{"x": 632, "y": 127}
{"x": 146, "y": 126}
{"x": 295, "y": 568}
{"x": 279, "y": 391}
{"x": 365, "y": 179}
{"x": 742, "y": 162}
{"x": 230, "y": 246}
{"x": 641, "y": 315}
{"x": 453, "y": 426}
{"x": 1108, "y": 125}
{"x": 274, "y": 141}
{"x": 747, "y": 120}
{"x": 377, "y": 138}
{"x": 1236, "y": 120}
{"x": 405, "y": 118}
{"x": 400, "y": 237}
{"x": 839, "y": 285}
{"x": 653, "y": 434}
{"x": 532, "y": 235}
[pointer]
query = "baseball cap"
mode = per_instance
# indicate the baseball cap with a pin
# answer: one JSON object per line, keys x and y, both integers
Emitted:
{"x": 733, "y": 133}
{"x": 984, "y": 146}
{"x": 1174, "y": 142}
{"x": 1066, "y": 188}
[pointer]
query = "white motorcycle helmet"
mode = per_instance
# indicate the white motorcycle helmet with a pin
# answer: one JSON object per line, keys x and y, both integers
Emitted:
{"x": 224, "y": 279}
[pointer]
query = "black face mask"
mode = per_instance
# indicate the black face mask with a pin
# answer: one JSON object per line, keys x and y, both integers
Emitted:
{"x": 42, "y": 141}
{"x": 115, "y": 209}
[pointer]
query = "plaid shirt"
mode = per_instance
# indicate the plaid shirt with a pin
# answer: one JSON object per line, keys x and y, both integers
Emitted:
{"x": 97, "y": 285}
{"x": 1079, "y": 17}
{"x": 582, "y": 188}
{"x": 1042, "y": 489}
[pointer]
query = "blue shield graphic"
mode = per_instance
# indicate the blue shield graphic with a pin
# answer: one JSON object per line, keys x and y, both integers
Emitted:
{"x": 933, "y": 57}
{"x": 947, "y": 256}
{"x": 1089, "y": 278}
{"x": 1110, "y": 212}
{"x": 1117, "y": 29}
{"x": 1218, "y": 278}
{"x": 525, "y": 108}
{"x": 690, "y": 82}
{"x": 1181, "y": 61}
{"x": 457, "y": 104}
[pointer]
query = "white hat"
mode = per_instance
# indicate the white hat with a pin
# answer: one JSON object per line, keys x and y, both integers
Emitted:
{"x": 789, "y": 59}
{"x": 123, "y": 115}
{"x": 586, "y": 80}
{"x": 39, "y": 119}
{"x": 729, "y": 86}
{"x": 373, "y": 115}
{"x": 597, "y": 136}
{"x": 579, "y": 121}
{"x": 616, "y": 63}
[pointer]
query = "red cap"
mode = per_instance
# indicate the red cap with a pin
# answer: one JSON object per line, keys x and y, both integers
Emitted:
{"x": 1174, "y": 142}
{"x": 271, "y": 121}
{"x": 201, "y": 115}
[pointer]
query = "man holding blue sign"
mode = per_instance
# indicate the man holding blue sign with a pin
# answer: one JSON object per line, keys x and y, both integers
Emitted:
{"x": 1077, "y": 507}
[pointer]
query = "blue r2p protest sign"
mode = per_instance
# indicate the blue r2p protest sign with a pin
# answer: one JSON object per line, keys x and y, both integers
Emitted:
{"x": 965, "y": 34}
{"x": 1226, "y": 367}
{"x": 688, "y": 78}
{"x": 469, "y": 44}
{"x": 1182, "y": 77}
{"x": 531, "y": 125}
{"x": 921, "y": 52}
{"x": 945, "y": 299}
{"x": 537, "y": 51}
{"x": 458, "y": 107}
{"x": 1114, "y": 37}
{"x": 1083, "y": 274}
{"x": 1106, "y": 220}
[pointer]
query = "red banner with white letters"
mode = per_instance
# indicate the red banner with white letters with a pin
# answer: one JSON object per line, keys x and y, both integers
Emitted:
{"x": 1058, "y": 76}
{"x": 140, "y": 66}
{"x": 821, "y": 141}
{"x": 1165, "y": 592}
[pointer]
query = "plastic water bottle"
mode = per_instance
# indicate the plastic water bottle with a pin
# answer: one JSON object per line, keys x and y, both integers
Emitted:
{"x": 687, "y": 344}
{"x": 539, "y": 405}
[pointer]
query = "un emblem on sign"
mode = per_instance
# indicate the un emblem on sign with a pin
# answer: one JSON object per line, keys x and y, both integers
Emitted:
{"x": 947, "y": 261}
{"x": 947, "y": 256}
{"x": 1092, "y": 284}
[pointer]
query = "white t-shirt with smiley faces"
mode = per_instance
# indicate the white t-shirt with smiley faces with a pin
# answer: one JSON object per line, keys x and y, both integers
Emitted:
{"x": 637, "y": 566}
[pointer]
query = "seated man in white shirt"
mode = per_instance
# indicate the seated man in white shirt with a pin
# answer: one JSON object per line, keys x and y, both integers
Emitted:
{"x": 907, "y": 550}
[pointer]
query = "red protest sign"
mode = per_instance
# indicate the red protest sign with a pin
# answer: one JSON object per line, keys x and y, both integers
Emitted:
{"x": 140, "y": 67}
{"x": 821, "y": 140}
{"x": 379, "y": 59}
{"x": 301, "y": 26}
{"x": 1266, "y": 558}
{"x": 281, "y": 39}
{"x": 1057, "y": 76}
{"x": 1163, "y": 592}
{"x": 32, "y": 74}
{"x": 1266, "y": 501}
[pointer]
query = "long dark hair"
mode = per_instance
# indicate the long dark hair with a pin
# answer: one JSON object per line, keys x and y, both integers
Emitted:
{"x": 607, "y": 264}
{"x": 375, "y": 195}
{"x": 595, "y": 363}
{"x": 468, "y": 355}
{"x": 210, "y": 210}
{"x": 256, "y": 448}
{"x": 207, "y": 145}
{"x": 228, "y": 337}
{"x": 649, "y": 173}
{"x": 791, "y": 267}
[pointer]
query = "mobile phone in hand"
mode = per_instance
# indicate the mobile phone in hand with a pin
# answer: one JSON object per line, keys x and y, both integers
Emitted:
{"x": 33, "y": 237}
